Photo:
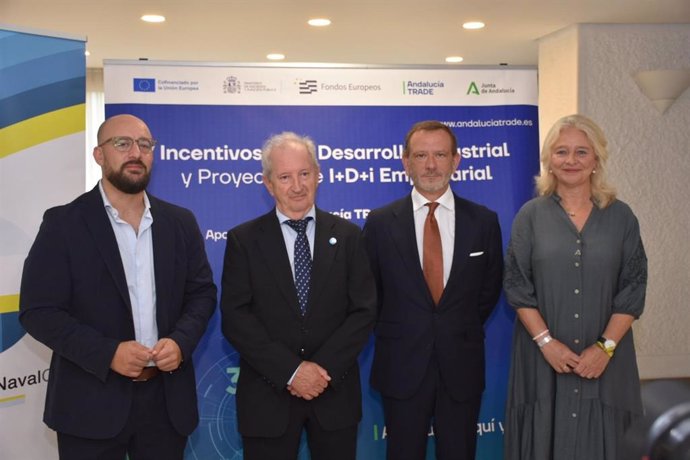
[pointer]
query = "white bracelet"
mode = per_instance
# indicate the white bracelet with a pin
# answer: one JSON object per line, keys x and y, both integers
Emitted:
{"x": 543, "y": 341}
{"x": 541, "y": 334}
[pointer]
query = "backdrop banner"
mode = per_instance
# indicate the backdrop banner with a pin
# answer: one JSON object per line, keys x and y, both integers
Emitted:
{"x": 42, "y": 120}
{"x": 211, "y": 120}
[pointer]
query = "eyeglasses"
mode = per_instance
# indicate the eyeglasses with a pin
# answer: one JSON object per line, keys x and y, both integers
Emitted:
{"x": 124, "y": 143}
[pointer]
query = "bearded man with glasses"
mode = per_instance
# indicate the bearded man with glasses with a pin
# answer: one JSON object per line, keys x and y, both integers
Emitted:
{"x": 118, "y": 285}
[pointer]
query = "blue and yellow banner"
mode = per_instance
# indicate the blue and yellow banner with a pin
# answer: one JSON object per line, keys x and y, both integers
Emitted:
{"x": 42, "y": 121}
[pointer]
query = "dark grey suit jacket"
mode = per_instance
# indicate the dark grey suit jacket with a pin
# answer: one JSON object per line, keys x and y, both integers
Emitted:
{"x": 261, "y": 319}
{"x": 74, "y": 299}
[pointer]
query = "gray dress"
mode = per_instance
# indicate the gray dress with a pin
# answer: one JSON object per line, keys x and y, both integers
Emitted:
{"x": 577, "y": 280}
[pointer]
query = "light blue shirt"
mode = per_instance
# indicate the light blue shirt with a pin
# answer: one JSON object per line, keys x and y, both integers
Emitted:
{"x": 445, "y": 216}
{"x": 136, "y": 252}
{"x": 290, "y": 235}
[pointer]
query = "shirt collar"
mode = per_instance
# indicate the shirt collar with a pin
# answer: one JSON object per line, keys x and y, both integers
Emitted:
{"x": 111, "y": 209}
{"x": 282, "y": 218}
{"x": 446, "y": 200}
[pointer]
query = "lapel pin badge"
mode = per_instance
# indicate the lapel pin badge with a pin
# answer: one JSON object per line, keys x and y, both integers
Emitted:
{"x": 332, "y": 241}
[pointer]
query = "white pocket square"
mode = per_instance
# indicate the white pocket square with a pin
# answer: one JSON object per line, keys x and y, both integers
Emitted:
{"x": 476, "y": 254}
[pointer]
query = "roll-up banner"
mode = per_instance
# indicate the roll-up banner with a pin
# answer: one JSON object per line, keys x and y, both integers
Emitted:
{"x": 211, "y": 120}
{"x": 42, "y": 121}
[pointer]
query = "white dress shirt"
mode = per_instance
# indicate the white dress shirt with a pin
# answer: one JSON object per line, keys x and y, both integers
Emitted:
{"x": 445, "y": 216}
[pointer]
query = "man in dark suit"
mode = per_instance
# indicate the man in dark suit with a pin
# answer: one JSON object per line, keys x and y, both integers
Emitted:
{"x": 437, "y": 261}
{"x": 117, "y": 284}
{"x": 298, "y": 322}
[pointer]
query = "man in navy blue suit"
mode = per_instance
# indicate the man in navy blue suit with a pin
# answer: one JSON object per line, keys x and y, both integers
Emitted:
{"x": 118, "y": 285}
{"x": 437, "y": 261}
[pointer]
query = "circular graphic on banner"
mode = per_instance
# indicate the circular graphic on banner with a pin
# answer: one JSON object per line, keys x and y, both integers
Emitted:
{"x": 217, "y": 436}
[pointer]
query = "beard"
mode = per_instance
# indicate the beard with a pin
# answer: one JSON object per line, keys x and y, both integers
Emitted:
{"x": 428, "y": 186}
{"x": 127, "y": 183}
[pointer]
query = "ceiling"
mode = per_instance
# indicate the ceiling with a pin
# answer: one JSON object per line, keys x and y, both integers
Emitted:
{"x": 421, "y": 32}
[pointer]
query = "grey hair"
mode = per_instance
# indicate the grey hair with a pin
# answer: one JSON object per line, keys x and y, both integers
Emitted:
{"x": 280, "y": 140}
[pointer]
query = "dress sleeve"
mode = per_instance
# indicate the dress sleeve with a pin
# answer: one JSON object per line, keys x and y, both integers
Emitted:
{"x": 518, "y": 283}
{"x": 632, "y": 280}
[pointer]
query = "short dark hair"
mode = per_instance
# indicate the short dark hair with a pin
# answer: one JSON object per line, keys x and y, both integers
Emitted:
{"x": 430, "y": 125}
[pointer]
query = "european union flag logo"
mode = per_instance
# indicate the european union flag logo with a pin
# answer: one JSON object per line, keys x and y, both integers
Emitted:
{"x": 145, "y": 85}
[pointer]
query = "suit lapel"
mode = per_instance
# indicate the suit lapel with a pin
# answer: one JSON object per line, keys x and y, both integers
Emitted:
{"x": 461, "y": 246}
{"x": 98, "y": 223}
{"x": 326, "y": 243}
{"x": 163, "y": 239}
{"x": 271, "y": 244}
{"x": 402, "y": 231}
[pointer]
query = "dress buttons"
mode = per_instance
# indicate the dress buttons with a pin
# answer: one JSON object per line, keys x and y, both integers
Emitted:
{"x": 577, "y": 291}
{"x": 576, "y": 315}
{"x": 577, "y": 241}
{"x": 576, "y": 340}
{"x": 574, "y": 414}
{"x": 577, "y": 264}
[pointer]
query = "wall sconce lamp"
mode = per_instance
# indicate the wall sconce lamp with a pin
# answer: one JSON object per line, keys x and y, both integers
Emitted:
{"x": 663, "y": 87}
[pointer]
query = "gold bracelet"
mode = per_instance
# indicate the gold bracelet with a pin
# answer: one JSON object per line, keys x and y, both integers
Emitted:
{"x": 608, "y": 351}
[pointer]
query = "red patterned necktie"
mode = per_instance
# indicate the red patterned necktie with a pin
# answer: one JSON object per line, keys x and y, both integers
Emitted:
{"x": 432, "y": 263}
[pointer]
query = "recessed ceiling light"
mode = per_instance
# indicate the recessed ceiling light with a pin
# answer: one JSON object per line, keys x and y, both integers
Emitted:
{"x": 319, "y": 22}
{"x": 454, "y": 59}
{"x": 153, "y": 18}
{"x": 275, "y": 56}
{"x": 473, "y": 25}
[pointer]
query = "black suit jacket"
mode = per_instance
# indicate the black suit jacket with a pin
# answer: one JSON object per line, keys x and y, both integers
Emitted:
{"x": 74, "y": 299}
{"x": 410, "y": 329}
{"x": 261, "y": 319}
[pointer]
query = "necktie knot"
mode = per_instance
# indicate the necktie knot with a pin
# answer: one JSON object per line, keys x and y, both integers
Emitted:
{"x": 300, "y": 226}
{"x": 432, "y": 206}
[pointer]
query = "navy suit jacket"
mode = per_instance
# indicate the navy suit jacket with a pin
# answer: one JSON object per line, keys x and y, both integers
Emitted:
{"x": 410, "y": 329}
{"x": 74, "y": 299}
{"x": 261, "y": 318}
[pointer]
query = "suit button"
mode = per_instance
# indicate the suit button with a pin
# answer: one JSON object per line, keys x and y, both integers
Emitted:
{"x": 301, "y": 351}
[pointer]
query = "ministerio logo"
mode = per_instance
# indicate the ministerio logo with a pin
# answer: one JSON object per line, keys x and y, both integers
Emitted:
{"x": 232, "y": 85}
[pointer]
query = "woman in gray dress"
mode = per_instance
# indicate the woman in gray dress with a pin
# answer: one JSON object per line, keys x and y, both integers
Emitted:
{"x": 576, "y": 273}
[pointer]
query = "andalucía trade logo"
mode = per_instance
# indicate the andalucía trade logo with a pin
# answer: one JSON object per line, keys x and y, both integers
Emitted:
{"x": 10, "y": 329}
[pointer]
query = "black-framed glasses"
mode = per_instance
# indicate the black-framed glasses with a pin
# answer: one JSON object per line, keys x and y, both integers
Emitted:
{"x": 125, "y": 143}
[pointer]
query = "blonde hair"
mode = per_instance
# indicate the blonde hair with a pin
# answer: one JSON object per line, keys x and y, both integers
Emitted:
{"x": 602, "y": 192}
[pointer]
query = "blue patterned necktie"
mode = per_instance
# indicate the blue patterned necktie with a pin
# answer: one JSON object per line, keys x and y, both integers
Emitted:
{"x": 302, "y": 260}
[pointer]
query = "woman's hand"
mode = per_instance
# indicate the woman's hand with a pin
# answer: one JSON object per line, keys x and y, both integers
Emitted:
{"x": 561, "y": 358}
{"x": 593, "y": 362}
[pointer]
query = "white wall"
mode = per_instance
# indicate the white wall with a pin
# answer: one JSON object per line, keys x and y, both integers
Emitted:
{"x": 650, "y": 160}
